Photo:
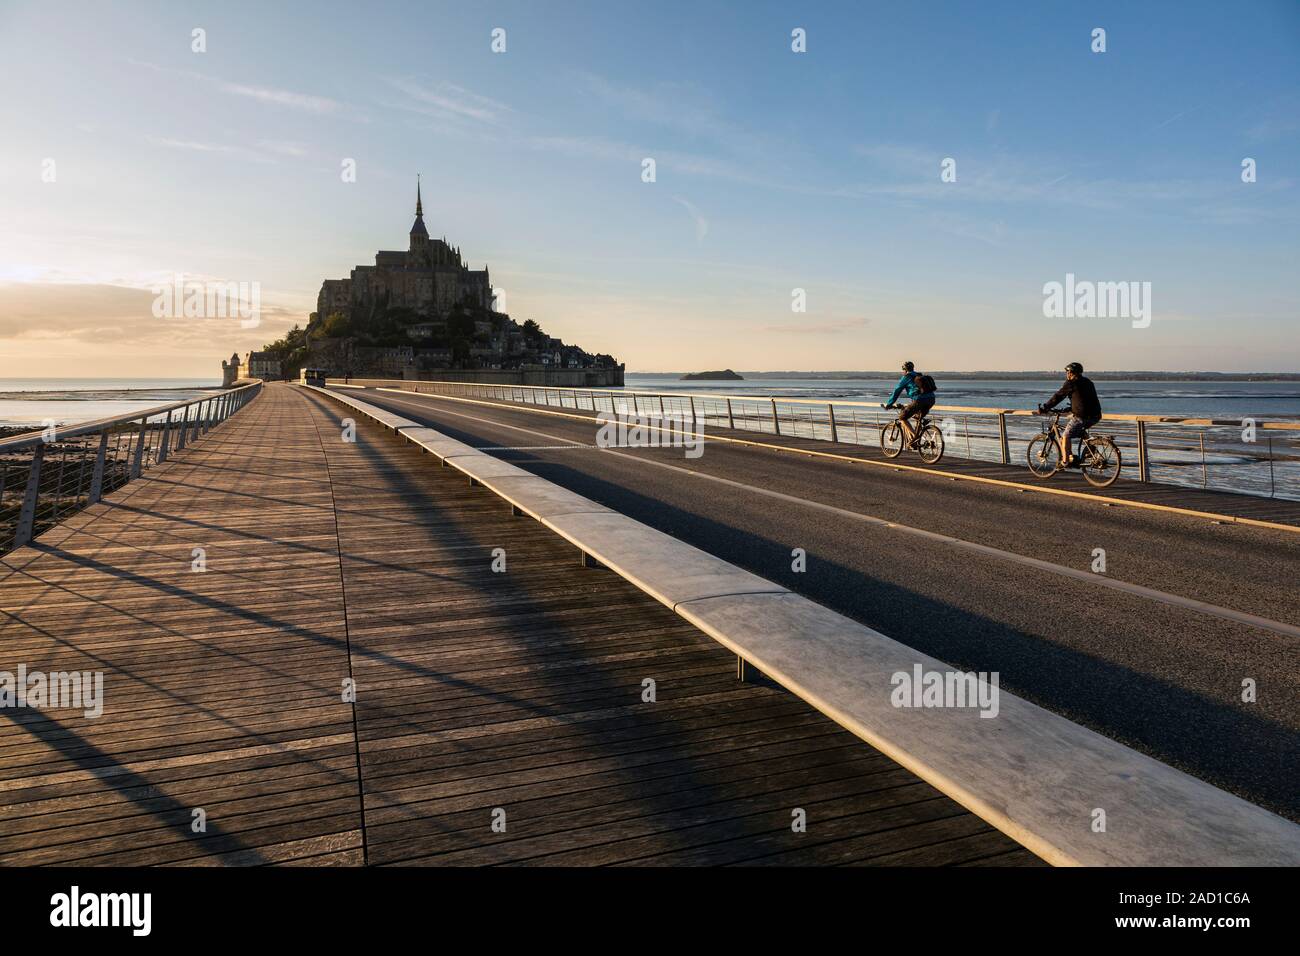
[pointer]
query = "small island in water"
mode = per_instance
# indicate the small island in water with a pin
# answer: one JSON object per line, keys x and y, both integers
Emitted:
{"x": 726, "y": 375}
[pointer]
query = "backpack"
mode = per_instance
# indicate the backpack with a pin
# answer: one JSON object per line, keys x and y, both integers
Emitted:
{"x": 927, "y": 385}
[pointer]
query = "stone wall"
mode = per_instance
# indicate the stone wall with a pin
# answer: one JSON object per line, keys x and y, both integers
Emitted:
{"x": 555, "y": 378}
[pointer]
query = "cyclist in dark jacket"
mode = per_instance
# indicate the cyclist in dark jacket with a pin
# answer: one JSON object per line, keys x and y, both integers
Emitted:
{"x": 1085, "y": 408}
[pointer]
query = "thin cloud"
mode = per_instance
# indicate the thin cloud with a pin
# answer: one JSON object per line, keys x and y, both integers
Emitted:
{"x": 1273, "y": 128}
{"x": 823, "y": 328}
{"x": 297, "y": 101}
{"x": 666, "y": 160}
{"x": 912, "y": 161}
{"x": 306, "y": 102}
{"x": 283, "y": 147}
{"x": 191, "y": 145}
{"x": 447, "y": 100}
{"x": 701, "y": 224}
{"x": 195, "y": 146}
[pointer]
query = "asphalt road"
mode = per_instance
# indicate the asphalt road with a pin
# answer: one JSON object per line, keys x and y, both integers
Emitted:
{"x": 1143, "y": 669}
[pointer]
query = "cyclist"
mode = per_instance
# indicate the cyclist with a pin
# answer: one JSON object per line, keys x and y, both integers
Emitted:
{"x": 920, "y": 390}
{"x": 1085, "y": 409}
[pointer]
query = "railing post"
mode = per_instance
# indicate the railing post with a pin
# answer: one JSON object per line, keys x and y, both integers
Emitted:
{"x": 776, "y": 422}
{"x": 731, "y": 419}
{"x": 27, "y": 515}
{"x": 692, "y": 398}
{"x": 163, "y": 446}
{"x": 97, "y": 476}
{"x": 181, "y": 433}
{"x": 1272, "y": 482}
{"x": 138, "y": 457}
{"x": 1144, "y": 473}
{"x": 830, "y": 411}
{"x": 1002, "y": 437}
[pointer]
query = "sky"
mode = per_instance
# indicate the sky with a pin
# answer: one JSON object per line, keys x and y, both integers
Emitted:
{"x": 127, "y": 157}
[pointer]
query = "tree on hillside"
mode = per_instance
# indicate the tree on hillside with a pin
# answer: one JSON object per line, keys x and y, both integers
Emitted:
{"x": 291, "y": 351}
{"x": 460, "y": 324}
{"x": 337, "y": 325}
{"x": 533, "y": 333}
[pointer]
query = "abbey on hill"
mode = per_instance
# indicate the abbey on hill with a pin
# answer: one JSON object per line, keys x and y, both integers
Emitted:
{"x": 423, "y": 313}
{"x": 429, "y": 278}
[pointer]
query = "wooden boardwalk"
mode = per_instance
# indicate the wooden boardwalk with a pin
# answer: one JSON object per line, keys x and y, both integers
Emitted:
{"x": 481, "y": 696}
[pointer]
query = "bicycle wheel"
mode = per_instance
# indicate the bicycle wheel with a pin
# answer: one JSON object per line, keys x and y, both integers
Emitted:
{"x": 1101, "y": 462}
{"x": 891, "y": 440}
{"x": 930, "y": 447}
{"x": 1043, "y": 454}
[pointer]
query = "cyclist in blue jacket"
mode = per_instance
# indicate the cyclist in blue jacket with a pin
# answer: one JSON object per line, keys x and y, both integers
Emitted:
{"x": 910, "y": 382}
{"x": 921, "y": 400}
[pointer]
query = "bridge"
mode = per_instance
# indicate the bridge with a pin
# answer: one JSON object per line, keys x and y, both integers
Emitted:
{"x": 379, "y": 626}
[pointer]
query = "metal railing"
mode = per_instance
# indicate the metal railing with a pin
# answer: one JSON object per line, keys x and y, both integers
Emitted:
{"x": 1260, "y": 458}
{"x": 45, "y": 476}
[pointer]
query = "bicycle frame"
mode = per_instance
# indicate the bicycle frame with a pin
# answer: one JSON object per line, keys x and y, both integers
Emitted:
{"x": 1054, "y": 429}
{"x": 909, "y": 432}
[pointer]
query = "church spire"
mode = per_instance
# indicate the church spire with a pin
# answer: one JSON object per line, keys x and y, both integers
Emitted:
{"x": 419, "y": 235}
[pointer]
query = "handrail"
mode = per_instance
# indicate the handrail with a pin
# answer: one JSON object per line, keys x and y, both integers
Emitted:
{"x": 87, "y": 428}
{"x": 47, "y": 475}
{"x": 1285, "y": 424}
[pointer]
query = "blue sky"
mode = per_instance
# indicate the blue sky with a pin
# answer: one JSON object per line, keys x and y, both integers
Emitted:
{"x": 775, "y": 171}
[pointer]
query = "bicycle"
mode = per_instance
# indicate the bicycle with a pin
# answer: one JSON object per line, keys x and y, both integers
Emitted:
{"x": 1099, "y": 458}
{"x": 927, "y": 440}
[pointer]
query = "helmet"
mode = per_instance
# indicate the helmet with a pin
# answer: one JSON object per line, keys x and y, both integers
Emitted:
{"x": 908, "y": 366}
{"x": 1074, "y": 367}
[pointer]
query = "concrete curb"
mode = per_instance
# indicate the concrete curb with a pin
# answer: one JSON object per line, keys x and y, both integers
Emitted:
{"x": 1034, "y": 775}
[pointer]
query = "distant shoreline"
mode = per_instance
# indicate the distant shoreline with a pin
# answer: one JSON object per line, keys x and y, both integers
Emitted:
{"x": 98, "y": 394}
{"x": 1019, "y": 376}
